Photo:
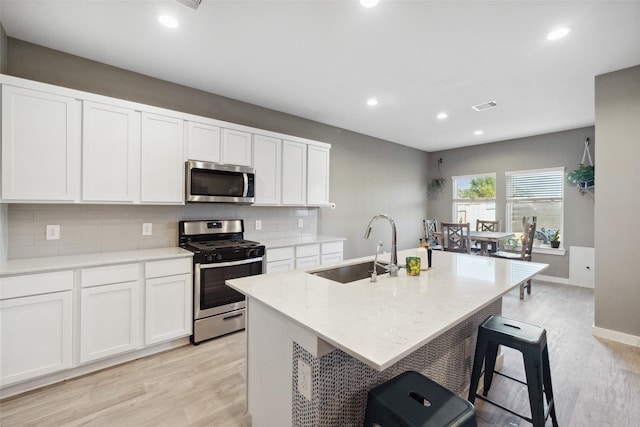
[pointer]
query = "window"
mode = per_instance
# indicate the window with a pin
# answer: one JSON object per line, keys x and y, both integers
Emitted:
{"x": 535, "y": 193}
{"x": 474, "y": 197}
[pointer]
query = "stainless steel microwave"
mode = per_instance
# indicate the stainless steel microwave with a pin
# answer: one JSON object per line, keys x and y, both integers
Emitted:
{"x": 213, "y": 182}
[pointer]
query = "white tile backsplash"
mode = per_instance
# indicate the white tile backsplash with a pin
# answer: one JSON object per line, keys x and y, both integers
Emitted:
{"x": 107, "y": 228}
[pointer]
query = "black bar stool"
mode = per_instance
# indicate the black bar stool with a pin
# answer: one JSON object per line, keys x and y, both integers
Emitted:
{"x": 412, "y": 400}
{"x": 531, "y": 341}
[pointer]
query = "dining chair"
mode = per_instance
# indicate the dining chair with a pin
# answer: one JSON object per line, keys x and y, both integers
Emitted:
{"x": 486, "y": 225}
{"x": 455, "y": 237}
{"x": 430, "y": 227}
{"x": 524, "y": 255}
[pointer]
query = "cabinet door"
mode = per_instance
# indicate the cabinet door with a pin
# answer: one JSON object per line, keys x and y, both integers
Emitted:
{"x": 203, "y": 142}
{"x": 294, "y": 173}
{"x": 236, "y": 147}
{"x": 35, "y": 336}
{"x": 110, "y": 153}
{"x": 331, "y": 258}
{"x": 40, "y": 146}
{"x": 307, "y": 262}
{"x": 162, "y": 160}
{"x": 109, "y": 320}
{"x": 267, "y": 153}
{"x": 168, "y": 311}
{"x": 317, "y": 176}
{"x": 282, "y": 265}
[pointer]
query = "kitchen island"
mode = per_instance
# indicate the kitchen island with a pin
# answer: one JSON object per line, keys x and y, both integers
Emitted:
{"x": 315, "y": 346}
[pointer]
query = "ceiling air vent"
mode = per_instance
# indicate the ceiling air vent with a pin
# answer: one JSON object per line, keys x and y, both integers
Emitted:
{"x": 485, "y": 106}
{"x": 193, "y": 4}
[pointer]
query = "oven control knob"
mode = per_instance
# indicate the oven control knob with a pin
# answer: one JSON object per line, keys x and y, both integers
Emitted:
{"x": 219, "y": 257}
{"x": 249, "y": 253}
{"x": 209, "y": 258}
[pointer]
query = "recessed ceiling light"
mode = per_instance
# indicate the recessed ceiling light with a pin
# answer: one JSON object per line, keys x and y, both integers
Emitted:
{"x": 372, "y": 101}
{"x": 478, "y": 132}
{"x": 558, "y": 33}
{"x": 442, "y": 116}
{"x": 369, "y": 3}
{"x": 168, "y": 21}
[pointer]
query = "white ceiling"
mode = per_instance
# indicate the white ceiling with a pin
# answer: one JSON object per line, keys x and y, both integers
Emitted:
{"x": 322, "y": 59}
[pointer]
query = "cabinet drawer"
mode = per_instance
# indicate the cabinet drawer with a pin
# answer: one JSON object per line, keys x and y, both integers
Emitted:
{"x": 307, "y": 250}
{"x": 279, "y": 254}
{"x": 331, "y": 248}
{"x": 169, "y": 267}
{"x": 35, "y": 284}
{"x": 107, "y": 275}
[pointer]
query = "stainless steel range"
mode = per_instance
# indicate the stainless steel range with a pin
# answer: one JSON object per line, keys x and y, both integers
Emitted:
{"x": 220, "y": 253}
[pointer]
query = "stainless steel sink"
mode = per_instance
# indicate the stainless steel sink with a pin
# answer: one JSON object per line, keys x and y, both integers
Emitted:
{"x": 349, "y": 273}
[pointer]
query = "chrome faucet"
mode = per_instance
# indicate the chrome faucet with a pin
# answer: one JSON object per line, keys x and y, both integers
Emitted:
{"x": 393, "y": 266}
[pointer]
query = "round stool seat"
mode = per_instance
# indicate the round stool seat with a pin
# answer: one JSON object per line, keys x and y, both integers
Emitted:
{"x": 412, "y": 400}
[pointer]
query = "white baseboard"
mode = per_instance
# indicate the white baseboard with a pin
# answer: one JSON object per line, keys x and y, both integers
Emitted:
{"x": 553, "y": 279}
{"x": 612, "y": 335}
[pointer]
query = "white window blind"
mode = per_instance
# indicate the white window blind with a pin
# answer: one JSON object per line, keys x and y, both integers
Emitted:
{"x": 535, "y": 193}
{"x": 545, "y": 184}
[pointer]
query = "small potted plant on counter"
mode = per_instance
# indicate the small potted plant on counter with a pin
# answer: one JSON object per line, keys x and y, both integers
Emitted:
{"x": 554, "y": 239}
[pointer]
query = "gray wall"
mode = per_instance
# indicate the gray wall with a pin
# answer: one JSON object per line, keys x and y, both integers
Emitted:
{"x": 368, "y": 175}
{"x": 617, "y": 294}
{"x": 536, "y": 152}
{"x": 4, "y": 47}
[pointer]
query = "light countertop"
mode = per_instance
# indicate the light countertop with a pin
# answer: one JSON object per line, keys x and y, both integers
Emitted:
{"x": 35, "y": 265}
{"x": 380, "y": 323}
{"x": 298, "y": 241}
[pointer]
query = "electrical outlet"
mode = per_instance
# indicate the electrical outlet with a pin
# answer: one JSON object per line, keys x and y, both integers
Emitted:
{"x": 147, "y": 229}
{"x": 300, "y": 223}
{"x": 258, "y": 224}
{"x": 53, "y": 232}
{"x": 304, "y": 379}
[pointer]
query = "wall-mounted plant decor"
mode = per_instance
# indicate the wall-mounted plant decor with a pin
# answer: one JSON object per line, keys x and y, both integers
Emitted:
{"x": 437, "y": 183}
{"x": 584, "y": 176}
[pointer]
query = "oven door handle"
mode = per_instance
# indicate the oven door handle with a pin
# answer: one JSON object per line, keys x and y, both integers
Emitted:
{"x": 234, "y": 316}
{"x": 228, "y": 263}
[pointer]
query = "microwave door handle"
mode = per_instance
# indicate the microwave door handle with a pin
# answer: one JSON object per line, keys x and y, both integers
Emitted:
{"x": 245, "y": 178}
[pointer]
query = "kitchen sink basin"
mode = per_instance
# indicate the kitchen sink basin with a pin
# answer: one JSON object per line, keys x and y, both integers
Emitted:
{"x": 349, "y": 273}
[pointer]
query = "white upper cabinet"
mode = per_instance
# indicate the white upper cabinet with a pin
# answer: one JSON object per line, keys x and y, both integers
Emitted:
{"x": 162, "y": 159}
{"x": 317, "y": 176}
{"x": 267, "y": 154}
{"x": 203, "y": 142}
{"x": 110, "y": 153}
{"x": 294, "y": 173}
{"x": 40, "y": 146}
{"x": 236, "y": 147}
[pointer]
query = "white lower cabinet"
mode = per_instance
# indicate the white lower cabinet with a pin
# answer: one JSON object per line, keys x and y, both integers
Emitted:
{"x": 280, "y": 259}
{"x": 168, "y": 300}
{"x": 331, "y": 252}
{"x": 303, "y": 256}
{"x": 307, "y": 256}
{"x": 109, "y": 312}
{"x": 35, "y": 330}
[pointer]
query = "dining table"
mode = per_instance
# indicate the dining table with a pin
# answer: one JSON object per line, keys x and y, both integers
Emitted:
{"x": 483, "y": 238}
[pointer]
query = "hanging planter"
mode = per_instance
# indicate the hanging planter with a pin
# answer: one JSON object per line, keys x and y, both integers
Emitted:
{"x": 584, "y": 176}
{"x": 436, "y": 184}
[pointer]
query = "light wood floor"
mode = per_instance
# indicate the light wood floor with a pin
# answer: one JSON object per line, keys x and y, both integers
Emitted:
{"x": 596, "y": 383}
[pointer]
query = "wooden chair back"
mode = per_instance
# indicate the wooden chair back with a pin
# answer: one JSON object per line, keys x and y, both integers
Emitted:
{"x": 455, "y": 237}
{"x": 527, "y": 244}
{"x": 485, "y": 225}
{"x": 430, "y": 227}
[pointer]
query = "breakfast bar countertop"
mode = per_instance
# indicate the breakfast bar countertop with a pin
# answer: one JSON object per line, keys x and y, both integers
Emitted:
{"x": 380, "y": 323}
